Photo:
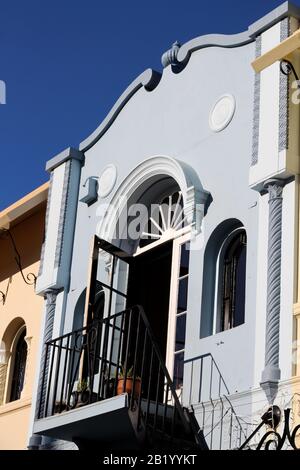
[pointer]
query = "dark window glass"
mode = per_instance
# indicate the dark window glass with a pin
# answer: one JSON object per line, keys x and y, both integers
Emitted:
{"x": 182, "y": 295}
{"x": 98, "y": 307}
{"x": 19, "y": 368}
{"x": 178, "y": 369}
{"x": 240, "y": 288}
{"x": 234, "y": 283}
{"x": 184, "y": 260}
{"x": 180, "y": 332}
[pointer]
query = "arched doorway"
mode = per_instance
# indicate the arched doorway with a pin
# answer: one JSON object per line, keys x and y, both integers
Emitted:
{"x": 141, "y": 253}
{"x": 158, "y": 279}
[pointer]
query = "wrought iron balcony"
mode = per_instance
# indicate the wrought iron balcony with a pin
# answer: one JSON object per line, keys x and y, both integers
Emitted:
{"x": 117, "y": 356}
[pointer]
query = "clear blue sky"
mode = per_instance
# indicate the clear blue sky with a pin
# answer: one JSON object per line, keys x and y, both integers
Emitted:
{"x": 66, "y": 62}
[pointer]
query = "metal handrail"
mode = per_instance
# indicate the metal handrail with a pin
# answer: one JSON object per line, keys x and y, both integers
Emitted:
{"x": 96, "y": 353}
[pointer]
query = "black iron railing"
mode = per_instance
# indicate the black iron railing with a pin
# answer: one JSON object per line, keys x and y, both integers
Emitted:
{"x": 277, "y": 436}
{"x": 206, "y": 380}
{"x": 208, "y": 392}
{"x": 115, "y": 355}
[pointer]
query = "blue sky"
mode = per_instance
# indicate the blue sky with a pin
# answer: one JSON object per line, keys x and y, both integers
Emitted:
{"x": 66, "y": 62}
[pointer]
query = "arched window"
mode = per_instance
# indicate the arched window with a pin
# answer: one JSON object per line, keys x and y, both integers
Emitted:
{"x": 224, "y": 279}
{"x": 232, "y": 282}
{"x": 99, "y": 303}
{"x": 97, "y": 310}
{"x": 19, "y": 366}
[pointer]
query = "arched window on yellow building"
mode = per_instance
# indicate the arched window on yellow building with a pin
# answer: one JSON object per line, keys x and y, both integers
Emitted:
{"x": 13, "y": 358}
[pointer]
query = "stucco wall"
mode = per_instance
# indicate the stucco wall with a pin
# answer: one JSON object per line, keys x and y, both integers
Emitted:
{"x": 173, "y": 120}
{"x": 23, "y": 304}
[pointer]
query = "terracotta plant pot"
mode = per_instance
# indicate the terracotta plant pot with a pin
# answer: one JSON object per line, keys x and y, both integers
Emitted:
{"x": 129, "y": 386}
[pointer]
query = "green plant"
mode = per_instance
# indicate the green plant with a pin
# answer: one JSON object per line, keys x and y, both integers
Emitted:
{"x": 82, "y": 385}
{"x": 129, "y": 374}
{"x": 122, "y": 373}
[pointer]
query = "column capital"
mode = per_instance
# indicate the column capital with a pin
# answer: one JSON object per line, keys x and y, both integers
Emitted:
{"x": 68, "y": 154}
{"x": 50, "y": 295}
{"x": 274, "y": 186}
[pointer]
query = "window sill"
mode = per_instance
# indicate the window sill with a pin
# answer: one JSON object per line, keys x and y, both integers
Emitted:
{"x": 15, "y": 405}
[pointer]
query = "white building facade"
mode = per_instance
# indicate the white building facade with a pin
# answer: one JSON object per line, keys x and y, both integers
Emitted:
{"x": 169, "y": 256}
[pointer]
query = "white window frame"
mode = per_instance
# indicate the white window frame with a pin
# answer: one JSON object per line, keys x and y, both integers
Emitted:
{"x": 173, "y": 303}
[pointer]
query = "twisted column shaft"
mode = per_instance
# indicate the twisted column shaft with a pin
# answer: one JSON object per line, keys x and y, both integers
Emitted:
{"x": 271, "y": 372}
{"x": 42, "y": 388}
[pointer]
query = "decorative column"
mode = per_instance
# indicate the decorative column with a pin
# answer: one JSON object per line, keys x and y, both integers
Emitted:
{"x": 271, "y": 372}
{"x": 50, "y": 297}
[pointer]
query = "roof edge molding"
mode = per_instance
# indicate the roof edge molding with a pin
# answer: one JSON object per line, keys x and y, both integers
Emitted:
{"x": 212, "y": 40}
{"x": 67, "y": 154}
{"x": 24, "y": 205}
{"x": 149, "y": 79}
{"x": 235, "y": 40}
{"x": 195, "y": 198}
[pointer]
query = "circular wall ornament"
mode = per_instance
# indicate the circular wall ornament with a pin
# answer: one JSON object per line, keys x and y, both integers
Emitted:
{"x": 107, "y": 180}
{"x": 222, "y": 113}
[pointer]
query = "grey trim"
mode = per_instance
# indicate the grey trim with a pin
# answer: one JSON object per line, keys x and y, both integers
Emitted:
{"x": 213, "y": 40}
{"x": 62, "y": 157}
{"x": 255, "y": 29}
{"x": 57, "y": 444}
{"x": 62, "y": 216}
{"x": 44, "y": 364}
{"x": 285, "y": 29}
{"x": 34, "y": 442}
{"x": 149, "y": 79}
{"x": 46, "y": 224}
{"x": 271, "y": 372}
{"x": 283, "y": 133}
{"x": 170, "y": 56}
{"x": 256, "y": 108}
{"x": 278, "y": 14}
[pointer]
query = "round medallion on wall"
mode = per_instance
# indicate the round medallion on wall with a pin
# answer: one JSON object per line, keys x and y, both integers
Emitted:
{"x": 107, "y": 180}
{"x": 222, "y": 113}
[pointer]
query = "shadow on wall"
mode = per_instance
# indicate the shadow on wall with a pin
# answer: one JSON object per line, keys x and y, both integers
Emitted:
{"x": 28, "y": 237}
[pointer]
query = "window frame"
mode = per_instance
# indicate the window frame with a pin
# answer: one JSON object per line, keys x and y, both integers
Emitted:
{"x": 11, "y": 366}
{"x": 219, "y": 276}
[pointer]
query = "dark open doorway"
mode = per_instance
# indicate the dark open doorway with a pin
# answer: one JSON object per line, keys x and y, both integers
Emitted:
{"x": 149, "y": 286}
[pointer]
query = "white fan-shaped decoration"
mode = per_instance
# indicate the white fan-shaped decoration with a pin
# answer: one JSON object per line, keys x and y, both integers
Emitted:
{"x": 166, "y": 218}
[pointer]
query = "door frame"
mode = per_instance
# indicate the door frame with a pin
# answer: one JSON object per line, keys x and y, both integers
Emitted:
{"x": 179, "y": 238}
{"x": 176, "y": 257}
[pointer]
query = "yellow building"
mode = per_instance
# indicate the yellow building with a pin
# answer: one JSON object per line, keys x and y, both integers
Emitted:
{"x": 21, "y": 238}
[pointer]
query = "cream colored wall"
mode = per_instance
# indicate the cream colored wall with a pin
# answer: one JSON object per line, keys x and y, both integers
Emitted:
{"x": 22, "y": 303}
{"x": 295, "y": 383}
{"x": 296, "y": 312}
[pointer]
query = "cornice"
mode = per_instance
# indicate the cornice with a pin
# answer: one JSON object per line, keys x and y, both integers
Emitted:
{"x": 149, "y": 79}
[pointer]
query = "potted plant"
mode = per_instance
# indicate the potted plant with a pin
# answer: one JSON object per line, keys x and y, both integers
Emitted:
{"x": 81, "y": 396}
{"x": 129, "y": 383}
{"x": 60, "y": 406}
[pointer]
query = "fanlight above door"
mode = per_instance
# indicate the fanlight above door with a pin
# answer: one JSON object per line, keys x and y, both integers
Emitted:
{"x": 166, "y": 217}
